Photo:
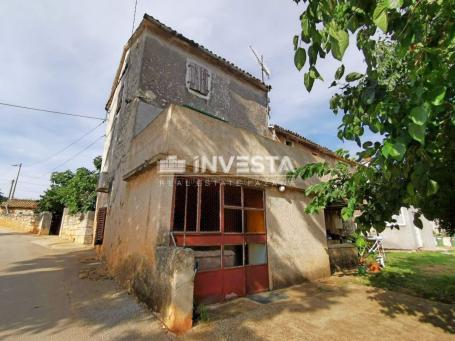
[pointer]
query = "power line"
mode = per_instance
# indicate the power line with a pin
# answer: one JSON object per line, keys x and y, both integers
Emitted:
{"x": 24, "y": 182}
{"x": 51, "y": 111}
{"x": 65, "y": 148}
{"x": 76, "y": 155}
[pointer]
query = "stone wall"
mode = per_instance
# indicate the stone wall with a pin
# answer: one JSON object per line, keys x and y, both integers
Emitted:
{"x": 44, "y": 223}
{"x": 77, "y": 227}
{"x": 22, "y": 219}
{"x": 342, "y": 256}
{"x": 162, "y": 82}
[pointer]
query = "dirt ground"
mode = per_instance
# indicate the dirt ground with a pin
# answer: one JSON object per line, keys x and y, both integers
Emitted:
{"x": 52, "y": 289}
{"x": 331, "y": 309}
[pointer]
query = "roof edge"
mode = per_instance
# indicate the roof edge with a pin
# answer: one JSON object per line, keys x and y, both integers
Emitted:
{"x": 312, "y": 144}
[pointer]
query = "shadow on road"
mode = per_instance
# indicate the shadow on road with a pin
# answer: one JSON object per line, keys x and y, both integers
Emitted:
{"x": 45, "y": 296}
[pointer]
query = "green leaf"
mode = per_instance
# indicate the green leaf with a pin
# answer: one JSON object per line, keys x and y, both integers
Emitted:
{"x": 305, "y": 29}
{"x": 296, "y": 42}
{"x": 380, "y": 16}
{"x": 393, "y": 4}
{"x": 339, "y": 41}
{"x": 313, "y": 54}
{"x": 417, "y": 132}
{"x": 314, "y": 73}
{"x": 367, "y": 144}
{"x": 433, "y": 187}
{"x": 417, "y": 222}
{"x": 309, "y": 81}
{"x": 299, "y": 58}
{"x": 339, "y": 72}
{"x": 439, "y": 94}
{"x": 395, "y": 150}
{"x": 419, "y": 115}
{"x": 353, "y": 76}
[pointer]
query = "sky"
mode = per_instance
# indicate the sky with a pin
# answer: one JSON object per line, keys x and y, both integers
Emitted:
{"x": 63, "y": 55}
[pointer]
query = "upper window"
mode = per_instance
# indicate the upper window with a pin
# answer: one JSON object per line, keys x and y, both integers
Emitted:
{"x": 196, "y": 206}
{"x": 198, "y": 78}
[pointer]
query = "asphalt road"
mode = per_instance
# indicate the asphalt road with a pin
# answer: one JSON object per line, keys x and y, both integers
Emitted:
{"x": 43, "y": 297}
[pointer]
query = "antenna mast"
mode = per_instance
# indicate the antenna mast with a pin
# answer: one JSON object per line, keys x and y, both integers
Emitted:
{"x": 264, "y": 69}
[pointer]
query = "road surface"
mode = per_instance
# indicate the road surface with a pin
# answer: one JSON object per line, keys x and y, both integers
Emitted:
{"x": 43, "y": 297}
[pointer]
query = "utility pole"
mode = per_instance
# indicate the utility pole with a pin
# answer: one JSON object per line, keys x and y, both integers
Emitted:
{"x": 11, "y": 189}
{"x": 17, "y": 178}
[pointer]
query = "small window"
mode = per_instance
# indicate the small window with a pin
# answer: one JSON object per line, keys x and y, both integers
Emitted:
{"x": 179, "y": 206}
{"x": 191, "y": 206}
{"x": 232, "y": 195}
{"x": 254, "y": 221}
{"x": 198, "y": 78}
{"x": 232, "y": 220}
{"x": 253, "y": 198}
{"x": 210, "y": 206}
{"x": 233, "y": 256}
{"x": 289, "y": 143}
{"x": 256, "y": 254}
{"x": 207, "y": 257}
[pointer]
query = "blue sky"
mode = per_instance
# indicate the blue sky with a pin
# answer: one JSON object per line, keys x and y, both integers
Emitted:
{"x": 62, "y": 55}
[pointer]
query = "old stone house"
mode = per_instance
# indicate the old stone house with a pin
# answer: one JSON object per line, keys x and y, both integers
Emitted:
{"x": 193, "y": 204}
{"x": 19, "y": 213}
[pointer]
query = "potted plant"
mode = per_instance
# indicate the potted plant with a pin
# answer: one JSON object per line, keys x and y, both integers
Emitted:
{"x": 361, "y": 244}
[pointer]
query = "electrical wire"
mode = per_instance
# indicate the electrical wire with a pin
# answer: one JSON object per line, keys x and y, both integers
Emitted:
{"x": 77, "y": 154}
{"x": 51, "y": 111}
{"x": 65, "y": 148}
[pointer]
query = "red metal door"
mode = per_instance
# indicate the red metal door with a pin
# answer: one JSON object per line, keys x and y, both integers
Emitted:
{"x": 232, "y": 258}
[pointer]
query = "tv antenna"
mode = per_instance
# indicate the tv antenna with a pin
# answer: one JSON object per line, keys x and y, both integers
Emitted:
{"x": 264, "y": 69}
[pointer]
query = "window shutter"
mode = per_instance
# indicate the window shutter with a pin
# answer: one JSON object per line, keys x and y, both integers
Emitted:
{"x": 204, "y": 84}
{"x": 100, "y": 223}
{"x": 193, "y": 69}
{"x": 198, "y": 78}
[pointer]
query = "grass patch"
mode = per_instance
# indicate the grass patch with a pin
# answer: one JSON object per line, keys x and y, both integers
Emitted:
{"x": 429, "y": 275}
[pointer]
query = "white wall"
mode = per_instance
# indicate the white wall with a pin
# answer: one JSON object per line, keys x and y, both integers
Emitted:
{"x": 409, "y": 236}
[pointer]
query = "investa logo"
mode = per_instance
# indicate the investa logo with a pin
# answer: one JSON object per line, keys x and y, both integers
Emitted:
{"x": 257, "y": 164}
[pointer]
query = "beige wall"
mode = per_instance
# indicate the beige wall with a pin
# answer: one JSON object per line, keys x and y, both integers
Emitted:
{"x": 21, "y": 219}
{"x": 77, "y": 227}
{"x": 187, "y": 133}
{"x": 297, "y": 247}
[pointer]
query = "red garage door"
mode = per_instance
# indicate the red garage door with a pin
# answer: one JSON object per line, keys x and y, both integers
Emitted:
{"x": 225, "y": 225}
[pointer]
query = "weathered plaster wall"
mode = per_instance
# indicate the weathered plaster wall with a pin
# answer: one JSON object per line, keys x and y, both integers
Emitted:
{"x": 21, "y": 219}
{"x": 188, "y": 134}
{"x": 409, "y": 236}
{"x": 162, "y": 82}
{"x": 343, "y": 256}
{"x": 297, "y": 247}
{"x": 44, "y": 223}
{"x": 77, "y": 227}
{"x": 137, "y": 248}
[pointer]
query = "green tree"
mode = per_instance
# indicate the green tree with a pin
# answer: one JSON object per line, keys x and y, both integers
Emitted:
{"x": 2, "y": 198}
{"x": 74, "y": 190}
{"x": 405, "y": 97}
